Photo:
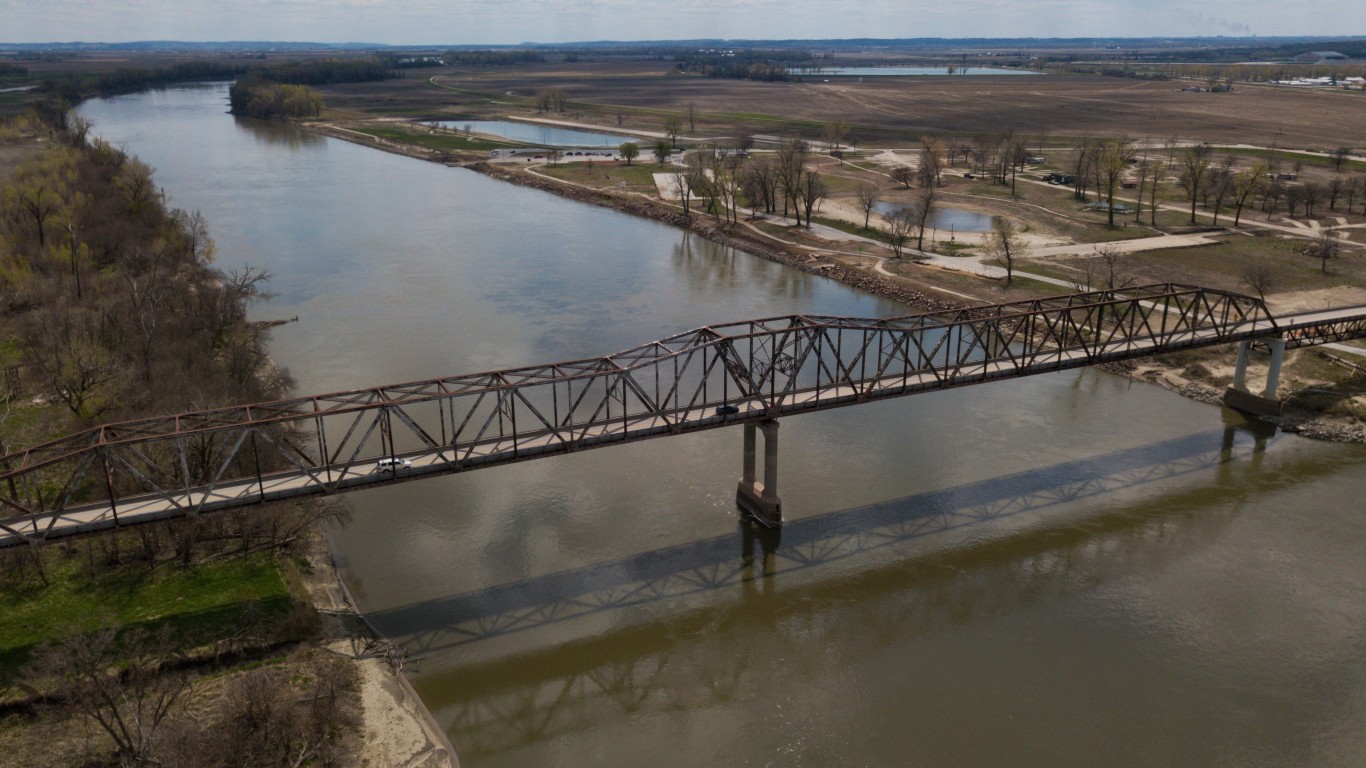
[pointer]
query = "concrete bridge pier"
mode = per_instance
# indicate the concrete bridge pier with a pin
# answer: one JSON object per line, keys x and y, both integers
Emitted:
{"x": 1267, "y": 403}
{"x": 760, "y": 500}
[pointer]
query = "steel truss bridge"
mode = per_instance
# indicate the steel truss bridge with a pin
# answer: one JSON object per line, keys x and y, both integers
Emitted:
{"x": 741, "y": 373}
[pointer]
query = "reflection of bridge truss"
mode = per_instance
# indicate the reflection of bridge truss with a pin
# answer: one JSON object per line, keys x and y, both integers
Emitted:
{"x": 527, "y": 698}
{"x": 675, "y": 573}
{"x": 150, "y": 469}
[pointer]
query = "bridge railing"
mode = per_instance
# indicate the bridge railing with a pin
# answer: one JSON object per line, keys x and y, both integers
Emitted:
{"x": 704, "y": 378}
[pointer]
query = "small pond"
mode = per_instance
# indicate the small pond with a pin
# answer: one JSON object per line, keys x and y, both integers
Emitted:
{"x": 955, "y": 219}
{"x": 538, "y": 134}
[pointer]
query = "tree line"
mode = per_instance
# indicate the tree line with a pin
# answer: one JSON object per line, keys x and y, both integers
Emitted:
{"x": 110, "y": 301}
{"x": 481, "y": 59}
{"x": 771, "y": 66}
{"x": 255, "y": 96}
{"x": 110, "y": 296}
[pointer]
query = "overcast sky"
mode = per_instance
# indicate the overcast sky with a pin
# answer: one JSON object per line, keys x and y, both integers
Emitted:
{"x": 513, "y": 21}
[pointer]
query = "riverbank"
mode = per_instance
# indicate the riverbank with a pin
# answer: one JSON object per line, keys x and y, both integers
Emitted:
{"x": 396, "y": 729}
{"x": 862, "y": 271}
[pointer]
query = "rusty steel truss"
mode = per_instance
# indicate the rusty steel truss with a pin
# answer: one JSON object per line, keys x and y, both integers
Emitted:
{"x": 185, "y": 465}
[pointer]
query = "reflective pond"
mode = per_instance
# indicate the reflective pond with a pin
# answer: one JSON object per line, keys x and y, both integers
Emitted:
{"x": 537, "y": 134}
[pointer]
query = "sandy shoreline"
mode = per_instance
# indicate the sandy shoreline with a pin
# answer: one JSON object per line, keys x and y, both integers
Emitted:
{"x": 397, "y": 730}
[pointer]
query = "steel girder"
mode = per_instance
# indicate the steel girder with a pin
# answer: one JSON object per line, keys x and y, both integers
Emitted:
{"x": 137, "y": 471}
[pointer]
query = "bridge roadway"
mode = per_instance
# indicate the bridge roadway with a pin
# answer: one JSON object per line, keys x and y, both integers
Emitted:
{"x": 804, "y": 363}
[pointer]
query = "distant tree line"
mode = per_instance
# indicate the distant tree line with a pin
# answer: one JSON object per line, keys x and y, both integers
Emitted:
{"x": 74, "y": 88}
{"x": 7, "y": 70}
{"x": 331, "y": 71}
{"x": 769, "y": 66}
{"x": 491, "y": 58}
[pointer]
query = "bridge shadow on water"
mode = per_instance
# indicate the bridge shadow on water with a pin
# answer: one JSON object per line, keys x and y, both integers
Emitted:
{"x": 755, "y": 557}
{"x": 722, "y": 653}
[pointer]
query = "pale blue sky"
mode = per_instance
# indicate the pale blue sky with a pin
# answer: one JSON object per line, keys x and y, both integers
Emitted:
{"x": 514, "y": 21}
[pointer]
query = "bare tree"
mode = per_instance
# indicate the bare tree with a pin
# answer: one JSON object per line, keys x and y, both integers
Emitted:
{"x": 1083, "y": 162}
{"x": 1017, "y": 154}
{"x": 1312, "y": 193}
{"x": 692, "y": 117}
{"x": 66, "y": 353}
{"x": 1144, "y": 172}
{"x": 673, "y": 126}
{"x": 1112, "y": 263}
{"x": 834, "y": 132}
{"x": 683, "y": 189}
{"x": 1220, "y": 185}
{"x": 811, "y": 190}
{"x": 1195, "y": 162}
{"x": 760, "y": 180}
{"x": 1340, "y": 156}
{"x": 869, "y": 195}
{"x": 1245, "y": 186}
{"x": 744, "y": 142}
{"x": 903, "y": 175}
{"x": 1005, "y": 244}
{"x": 127, "y": 686}
{"x": 924, "y": 211}
{"x": 1336, "y": 186}
{"x": 1114, "y": 157}
{"x": 1323, "y": 248}
{"x": 792, "y": 153}
{"x": 1152, "y": 192}
{"x": 1261, "y": 277}
{"x": 900, "y": 224}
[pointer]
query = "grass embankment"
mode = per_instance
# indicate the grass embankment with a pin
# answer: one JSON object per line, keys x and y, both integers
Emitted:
{"x": 608, "y": 174}
{"x": 200, "y": 603}
{"x": 436, "y": 140}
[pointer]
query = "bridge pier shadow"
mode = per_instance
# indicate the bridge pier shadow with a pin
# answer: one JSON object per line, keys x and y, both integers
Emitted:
{"x": 768, "y": 539}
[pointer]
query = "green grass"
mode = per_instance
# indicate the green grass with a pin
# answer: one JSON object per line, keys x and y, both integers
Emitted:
{"x": 851, "y": 227}
{"x": 440, "y": 141}
{"x": 954, "y": 248}
{"x": 1224, "y": 264}
{"x": 11, "y": 353}
{"x": 199, "y": 603}
{"x": 1287, "y": 160}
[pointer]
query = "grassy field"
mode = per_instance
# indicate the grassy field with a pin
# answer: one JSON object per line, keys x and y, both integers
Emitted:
{"x": 200, "y": 603}
{"x": 891, "y": 109}
{"x": 408, "y": 134}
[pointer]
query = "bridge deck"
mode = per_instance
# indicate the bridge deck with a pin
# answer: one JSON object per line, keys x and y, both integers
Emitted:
{"x": 143, "y": 471}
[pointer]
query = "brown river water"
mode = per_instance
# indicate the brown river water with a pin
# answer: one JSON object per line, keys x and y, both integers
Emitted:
{"x": 1068, "y": 570}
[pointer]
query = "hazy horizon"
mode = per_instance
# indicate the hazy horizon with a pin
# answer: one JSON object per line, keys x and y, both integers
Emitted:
{"x": 514, "y": 22}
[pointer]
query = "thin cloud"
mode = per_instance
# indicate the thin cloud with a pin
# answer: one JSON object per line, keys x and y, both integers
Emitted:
{"x": 513, "y": 21}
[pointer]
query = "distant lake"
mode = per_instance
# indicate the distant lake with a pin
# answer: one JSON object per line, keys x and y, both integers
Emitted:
{"x": 537, "y": 133}
{"x": 907, "y": 71}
